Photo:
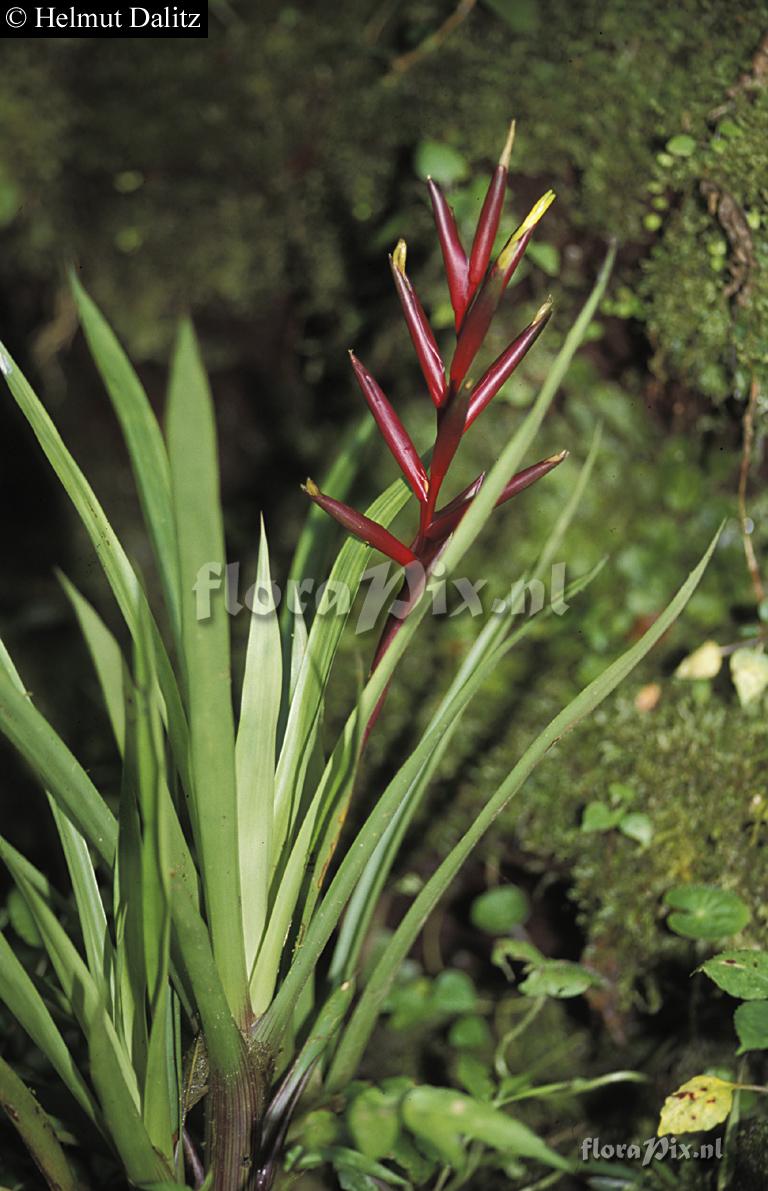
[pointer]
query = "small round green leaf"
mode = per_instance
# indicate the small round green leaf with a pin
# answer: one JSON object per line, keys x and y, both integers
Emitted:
{"x": 557, "y": 978}
{"x": 600, "y": 817}
{"x": 470, "y": 1033}
{"x": 498, "y": 910}
{"x": 475, "y": 1076}
{"x": 638, "y": 827}
{"x": 373, "y": 1121}
{"x": 681, "y": 145}
{"x": 453, "y": 992}
{"x": 320, "y": 1128}
{"x": 705, "y": 912}
{"x": 739, "y": 973}
{"x": 751, "y": 1022}
{"x": 621, "y": 792}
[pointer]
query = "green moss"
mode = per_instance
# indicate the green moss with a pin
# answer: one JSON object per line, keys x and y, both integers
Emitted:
{"x": 750, "y": 1156}
{"x": 697, "y": 771}
{"x": 690, "y": 267}
{"x": 253, "y": 175}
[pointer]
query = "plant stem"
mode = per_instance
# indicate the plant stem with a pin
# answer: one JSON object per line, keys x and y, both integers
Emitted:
{"x": 235, "y": 1114}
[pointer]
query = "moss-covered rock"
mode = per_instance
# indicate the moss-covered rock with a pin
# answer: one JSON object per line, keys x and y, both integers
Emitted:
{"x": 695, "y": 772}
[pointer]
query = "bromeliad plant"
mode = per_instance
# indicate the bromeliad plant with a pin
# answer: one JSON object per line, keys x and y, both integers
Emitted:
{"x": 215, "y": 959}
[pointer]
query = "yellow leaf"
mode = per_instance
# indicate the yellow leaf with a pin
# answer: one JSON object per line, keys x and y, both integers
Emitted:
{"x": 701, "y": 1103}
{"x": 749, "y": 671}
{"x": 704, "y": 662}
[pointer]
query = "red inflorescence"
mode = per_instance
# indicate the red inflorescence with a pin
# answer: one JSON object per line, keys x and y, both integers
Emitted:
{"x": 475, "y": 287}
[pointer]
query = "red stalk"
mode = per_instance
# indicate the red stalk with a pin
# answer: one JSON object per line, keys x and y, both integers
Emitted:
{"x": 452, "y": 425}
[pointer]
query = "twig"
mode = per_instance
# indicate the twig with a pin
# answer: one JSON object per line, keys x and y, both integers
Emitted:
{"x": 374, "y": 28}
{"x": 499, "y": 1059}
{"x": 746, "y": 459}
{"x": 434, "y": 40}
{"x": 744, "y": 643}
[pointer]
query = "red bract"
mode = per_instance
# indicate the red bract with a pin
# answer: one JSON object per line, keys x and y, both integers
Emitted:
{"x": 392, "y": 430}
{"x": 488, "y": 223}
{"x": 454, "y": 256}
{"x": 504, "y": 365}
{"x": 481, "y": 312}
{"x": 418, "y": 327}
{"x": 446, "y": 519}
{"x": 475, "y": 291}
{"x": 361, "y": 526}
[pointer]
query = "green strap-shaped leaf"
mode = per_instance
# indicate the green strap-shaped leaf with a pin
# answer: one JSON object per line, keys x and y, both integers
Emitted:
{"x": 85, "y": 995}
{"x": 59, "y": 772}
{"x": 319, "y": 531}
{"x": 118, "y": 570}
{"x": 107, "y": 658}
{"x": 222, "y": 1037}
{"x": 93, "y": 921}
{"x": 35, "y": 1130}
{"x": 325, "y": 1028}
{"x": 131, "y": 971}
{"x": 491, "y": 645}
{"x": 113, "y": 1075}
{"x": 154, "y": 804}
{"x": 90, "y": 908}
{"x": 336, "y": 779}
{"x": 143, "y": 439}
{"x": 255, "y": 754}
{"x": 206, "y": 659}
{"x": 361, "y": 1024}
{"x": 327, "y": 627}
{"x": 143, "y": 1164}
{"x": 28, "y": 1008}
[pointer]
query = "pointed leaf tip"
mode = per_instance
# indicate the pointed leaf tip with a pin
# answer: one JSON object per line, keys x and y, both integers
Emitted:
{"x": 421, "y": 333}
{"x": 506, "y": 152}
{"x": 544, "y": 310}
{"x": 534, "y": 216}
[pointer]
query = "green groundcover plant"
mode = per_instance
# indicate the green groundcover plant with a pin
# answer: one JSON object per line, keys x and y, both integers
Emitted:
{"x": 212, "y": 967}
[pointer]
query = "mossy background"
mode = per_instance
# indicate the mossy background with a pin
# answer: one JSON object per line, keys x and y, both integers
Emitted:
{"x": 257, "y": 179}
